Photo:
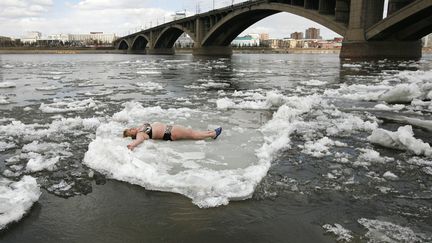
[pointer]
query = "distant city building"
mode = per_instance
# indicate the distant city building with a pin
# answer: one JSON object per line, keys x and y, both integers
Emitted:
{"x": 92, "y": 38}
{"x": 283, "y": 43}
{"x": 427, "y": 41}
{"x": 264, "y": 36}
{"x": 287, "y": 43}
{"x": 313, "y": 33}
{"x": 179, "y": 15}
{"x": 31, "y": 37}
{"x": 246, "y": 41}
{"x": 58, "y": 37}
{"x": 6, "y": 41}
{"x": 184, "y": 41}
{"x": 297, "y": 35}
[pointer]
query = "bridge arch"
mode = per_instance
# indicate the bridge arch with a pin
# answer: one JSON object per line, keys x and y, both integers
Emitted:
{"x": 123, "y": 45}
{"x": 226, "y": 30}
{"x": 169, "y": 36}
{"x": 140, "y": 42}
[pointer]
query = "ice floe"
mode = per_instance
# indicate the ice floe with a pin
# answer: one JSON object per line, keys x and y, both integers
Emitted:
{"x": 4, "y": 85}
{"x": 149, "y": 86}
{"x": 4, "y": 100}
{"x": 383, "y": 231}
{"x": 48, "y": 88}
{"x": 314, "y": 82}
{"x": 148, "y": 72}
{"x": 403, "y": 93}
{"x": 194, "y": 169}
{"x": 339, "y": 231}
{"x": 16, "y": 198}
{"x": 99, "y": 93}
{"x": 6, "y": 145}
{"x": 402, "y": 139}
{"x": 60, "y": 106}
{"x": 37, "y": 162}
{"x": 252, "y": 101}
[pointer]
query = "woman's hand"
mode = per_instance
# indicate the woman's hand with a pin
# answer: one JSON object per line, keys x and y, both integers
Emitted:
{"x": 130, "y": 147}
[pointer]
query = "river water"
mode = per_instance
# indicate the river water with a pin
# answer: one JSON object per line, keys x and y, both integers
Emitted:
{"x": 313, "y": 149}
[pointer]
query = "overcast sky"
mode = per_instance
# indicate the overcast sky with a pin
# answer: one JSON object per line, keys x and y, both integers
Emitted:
{"x": 124, "y": 16}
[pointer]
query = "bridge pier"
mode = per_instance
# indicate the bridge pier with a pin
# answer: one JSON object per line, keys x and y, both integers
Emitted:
{"x": 223, "y": 51}
{"x": 161, "y": 51}
{"x": 382, "y": 49}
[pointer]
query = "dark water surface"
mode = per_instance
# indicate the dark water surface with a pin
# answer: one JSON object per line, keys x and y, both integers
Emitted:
{"x": 301, "y": 192}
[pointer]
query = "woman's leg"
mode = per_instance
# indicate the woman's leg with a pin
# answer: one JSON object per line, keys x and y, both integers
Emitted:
{"x": 182, "y": 133}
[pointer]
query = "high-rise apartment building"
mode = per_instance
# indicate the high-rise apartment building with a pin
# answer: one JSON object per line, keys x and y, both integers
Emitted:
{"x": 297, "y": 35}
{"x": 313, "y": 33}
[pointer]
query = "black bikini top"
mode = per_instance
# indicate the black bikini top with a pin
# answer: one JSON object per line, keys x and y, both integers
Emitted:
{"x": 146, "y": 128}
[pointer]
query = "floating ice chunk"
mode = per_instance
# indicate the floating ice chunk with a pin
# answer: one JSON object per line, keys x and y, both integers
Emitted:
{"x": 371, "y": 155}
{"x": 225, "y": 103}
{"x": 402, "y": 93}
{"x": 419, "y": 161}
{"x": 272, "y": 99}
{"x": 37, "y": 162}
{"x": 358, "y": 92}
{"x": 403, "y": 139}
{"x": 349, "y": 65}
{"x": 150, "y": 86}
{"x": 390, "y": 176}
{"x": 89, "y": 84}
{"x": 52, "y": 148}
{"x": 321, "y": 147}
{"x": 48, "y": 88}
{"x": 341, "y": 233}
{"x": 152, "y": 166}
{"x": 314, "y": 82}
{"x": 427, "y": 170}
{"x": 349, "y": 123}
{"x": 4, "y": 85}
{"x": 16, "y": 198}
{"x": 193, "y": 169}
{"x": 285, "y": 121}
{"x": 385, "y": 107}
{"x": 422, "y": 123}
{"x": 135, "y": 113}
{"x": 4, "y": 100}
{"x": 61, "y": 186}
{"x": 148, "y": 72}
{"x": 5, "y": 146}
{"x": 90, "y": 123}
{"x": 100, "y": 93}
{"x": 382, "y": 231}
{"x": 416, "y": 76}
{"x": 215, "y": 85}
{"x": 60, "y": 106}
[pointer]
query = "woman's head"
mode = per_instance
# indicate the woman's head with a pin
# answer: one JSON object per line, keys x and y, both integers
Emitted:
{"x": 130, "y": 132}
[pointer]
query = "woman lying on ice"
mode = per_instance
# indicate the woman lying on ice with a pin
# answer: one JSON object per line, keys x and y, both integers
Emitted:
{"x": 160, "y": 131}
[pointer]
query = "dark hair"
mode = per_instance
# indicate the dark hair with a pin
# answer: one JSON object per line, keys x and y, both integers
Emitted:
{"x": 125, "y": 134}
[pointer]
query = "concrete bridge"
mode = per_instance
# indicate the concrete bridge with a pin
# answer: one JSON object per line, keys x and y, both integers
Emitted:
{"x": 366, "y": 34}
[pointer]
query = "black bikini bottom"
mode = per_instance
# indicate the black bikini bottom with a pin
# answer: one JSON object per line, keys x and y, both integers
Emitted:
{"x": 167, "y": 134}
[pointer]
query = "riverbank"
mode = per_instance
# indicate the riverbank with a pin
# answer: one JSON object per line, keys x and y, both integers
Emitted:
{"x": 178, "y": 51}
{"x": 58, "y": 51}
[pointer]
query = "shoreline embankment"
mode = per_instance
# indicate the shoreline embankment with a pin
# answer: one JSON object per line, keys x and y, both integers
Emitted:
{"x": 178, "y": 51}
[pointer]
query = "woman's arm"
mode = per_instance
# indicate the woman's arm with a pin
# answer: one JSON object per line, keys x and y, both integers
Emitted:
{"x": 140, "y": 137}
